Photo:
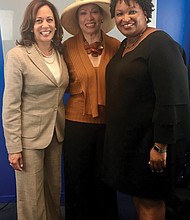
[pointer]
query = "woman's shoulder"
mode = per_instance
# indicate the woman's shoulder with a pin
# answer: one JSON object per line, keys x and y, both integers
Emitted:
{"x": 68, "y": 44}
{"x": 159, "y": 36}
{"x": 70, "y": 40}
{"x": 17, "y": 50}
{"x": 16, "y": 57}
{"x": 159, "y": 40}
{"x": 111, "y": 42}
{"x": 20, "y": 54}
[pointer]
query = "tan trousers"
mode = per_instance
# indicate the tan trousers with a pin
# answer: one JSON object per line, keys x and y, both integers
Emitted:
{"x": 39, "y": 184}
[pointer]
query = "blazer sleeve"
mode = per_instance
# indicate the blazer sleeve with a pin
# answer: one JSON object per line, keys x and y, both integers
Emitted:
{"x": 12, "y": 102}
{"x": 170, "y": 81}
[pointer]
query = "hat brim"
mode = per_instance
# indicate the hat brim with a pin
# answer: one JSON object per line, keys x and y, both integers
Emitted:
{"x": 69, "y": 16}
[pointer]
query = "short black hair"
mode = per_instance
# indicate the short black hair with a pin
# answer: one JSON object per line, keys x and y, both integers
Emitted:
{"x": 146, "y": 6}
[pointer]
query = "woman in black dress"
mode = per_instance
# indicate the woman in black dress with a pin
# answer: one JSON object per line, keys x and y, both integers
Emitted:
{"x": 147, "y": 107}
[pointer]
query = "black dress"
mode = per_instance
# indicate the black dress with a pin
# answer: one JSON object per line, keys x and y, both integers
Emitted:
{"x": 147, "y": 102}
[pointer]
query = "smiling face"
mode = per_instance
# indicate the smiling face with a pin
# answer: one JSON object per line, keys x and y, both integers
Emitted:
{"x": 44, "y": 25}
{"x": 130, "y": 19}
{"x": 90, "y": 18}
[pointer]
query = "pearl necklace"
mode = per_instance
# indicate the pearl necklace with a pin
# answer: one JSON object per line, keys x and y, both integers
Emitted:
{"x": 48, "y": 59}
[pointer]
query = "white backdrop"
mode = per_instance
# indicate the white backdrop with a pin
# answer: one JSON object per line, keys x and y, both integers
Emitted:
{"x": 11, "y": 15}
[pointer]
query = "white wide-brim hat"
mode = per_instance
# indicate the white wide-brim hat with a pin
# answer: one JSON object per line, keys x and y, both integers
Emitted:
{"x": 69, "y": 16}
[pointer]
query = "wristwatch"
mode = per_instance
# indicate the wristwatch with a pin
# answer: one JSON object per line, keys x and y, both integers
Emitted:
{"x": 160, "y": 150}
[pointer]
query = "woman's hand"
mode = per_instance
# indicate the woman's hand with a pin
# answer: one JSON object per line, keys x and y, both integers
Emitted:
{"x": 16, "y": 161}
{"x": 157, "y": 160}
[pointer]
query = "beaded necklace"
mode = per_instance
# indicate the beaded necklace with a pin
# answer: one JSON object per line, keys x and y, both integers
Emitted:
{"x": 95, "y": 49}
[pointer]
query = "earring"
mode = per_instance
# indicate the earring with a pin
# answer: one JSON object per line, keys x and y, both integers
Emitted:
{"x": 31, "y": 31}
{"x": 55, "y": 28}
{"x": 146, "y": 19}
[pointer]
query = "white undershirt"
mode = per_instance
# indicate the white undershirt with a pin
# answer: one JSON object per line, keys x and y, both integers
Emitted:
{"x": 53, "y": 66}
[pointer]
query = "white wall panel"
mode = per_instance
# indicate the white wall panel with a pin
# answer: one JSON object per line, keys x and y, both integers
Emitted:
{"x": 16, "y": 10}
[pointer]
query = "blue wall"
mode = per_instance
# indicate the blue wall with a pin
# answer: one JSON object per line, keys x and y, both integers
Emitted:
{"x": 7, "y": 185}
{"x": 173, "y": 16}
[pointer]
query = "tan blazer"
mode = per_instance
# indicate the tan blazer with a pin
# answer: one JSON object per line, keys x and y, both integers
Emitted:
{"x": 33, "y": 100}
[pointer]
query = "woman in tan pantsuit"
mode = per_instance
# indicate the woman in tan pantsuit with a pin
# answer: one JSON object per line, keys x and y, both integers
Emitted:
{"x": 33, "y": 112}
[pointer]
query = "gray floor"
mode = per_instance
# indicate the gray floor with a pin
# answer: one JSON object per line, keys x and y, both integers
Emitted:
{"x": 126, "y": 209}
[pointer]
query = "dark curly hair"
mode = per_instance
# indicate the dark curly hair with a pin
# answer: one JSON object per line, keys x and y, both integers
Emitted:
{"x": 26, "y": 29}
{"x": 146, "y": 6}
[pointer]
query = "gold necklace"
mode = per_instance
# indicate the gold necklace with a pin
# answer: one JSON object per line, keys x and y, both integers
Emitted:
{"x": 128, "y": 46}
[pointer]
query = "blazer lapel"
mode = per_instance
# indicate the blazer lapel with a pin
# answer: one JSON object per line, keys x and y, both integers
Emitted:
{"x": 38, "y": 61}
{"x": 63, "y": 67}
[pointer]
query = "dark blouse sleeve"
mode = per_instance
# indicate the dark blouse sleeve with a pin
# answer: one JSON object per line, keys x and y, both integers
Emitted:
{"x": 170, "y": 81}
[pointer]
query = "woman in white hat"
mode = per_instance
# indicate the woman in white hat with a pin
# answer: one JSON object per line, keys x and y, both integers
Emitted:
{"x": 87, "y": 54}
